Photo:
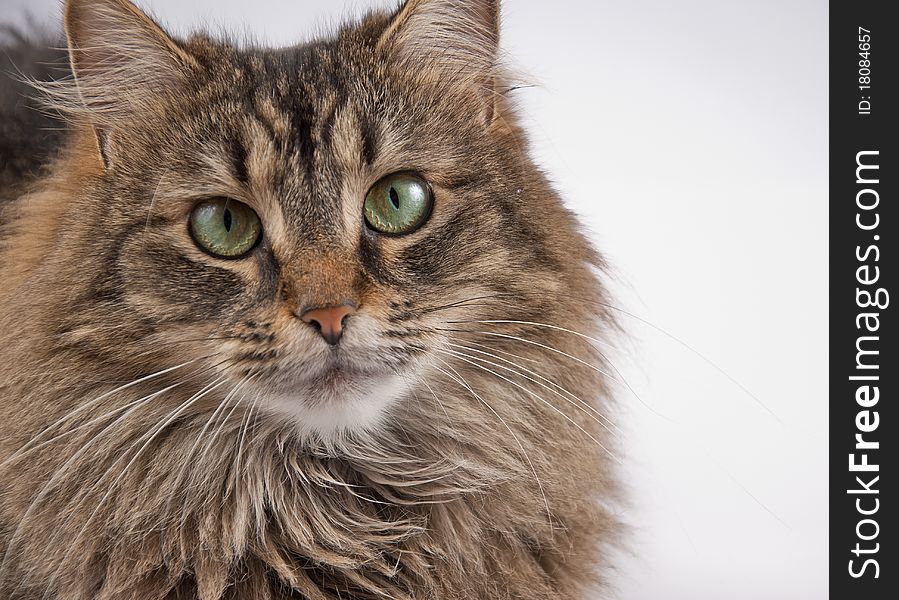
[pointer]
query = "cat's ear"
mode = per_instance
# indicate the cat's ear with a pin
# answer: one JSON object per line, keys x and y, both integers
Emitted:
{"x": 119, "y": 58}
{"x": 457, "y": 38}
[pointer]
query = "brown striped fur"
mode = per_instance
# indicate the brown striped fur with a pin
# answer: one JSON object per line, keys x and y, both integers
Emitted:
{"x": 167, "y": 429}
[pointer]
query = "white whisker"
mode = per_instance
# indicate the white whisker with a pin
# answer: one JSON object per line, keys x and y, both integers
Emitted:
{"x": 547, "y": 325}
{"x": 620, "y": 379}
{"x": 231, "y": 395}
{"x": 245, "y": 423}
{"x": 70, "y": 415}
{"x": 148, "y": 437}
{"x": 702, "y": 356}
{"x": 461, "y": 381}
{"x": 504, "y": 352}
{"x": 62, "y": 471}
{"x": 549, "y": 404}
{"x": 551, "y": 349}
{"x": 580, "y": 404}
{"x": 182, "y": 473}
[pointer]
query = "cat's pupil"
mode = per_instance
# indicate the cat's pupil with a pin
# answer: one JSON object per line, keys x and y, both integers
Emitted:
{"x": 228, "y": 220}
{"x": 394, "y": 198}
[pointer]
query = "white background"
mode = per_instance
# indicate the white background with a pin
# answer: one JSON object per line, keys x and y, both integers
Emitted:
{"x": 691, "y": 136}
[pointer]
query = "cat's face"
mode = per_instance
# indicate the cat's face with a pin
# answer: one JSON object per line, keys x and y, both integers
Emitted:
{"x": 286, "y": 147}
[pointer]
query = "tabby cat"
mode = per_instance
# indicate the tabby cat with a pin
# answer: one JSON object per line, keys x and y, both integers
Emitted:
{"x": 303, "y": 322}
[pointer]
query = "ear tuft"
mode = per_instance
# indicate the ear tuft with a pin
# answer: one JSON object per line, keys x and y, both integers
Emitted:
{"x": 456, "y": 32}
{"x": 459, "y": 38}
{"x": 118, "y": 54}
{"x": 120, "y": 59}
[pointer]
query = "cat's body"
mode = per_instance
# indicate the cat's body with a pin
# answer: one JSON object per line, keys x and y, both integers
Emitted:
{"x": 171, "y": 428}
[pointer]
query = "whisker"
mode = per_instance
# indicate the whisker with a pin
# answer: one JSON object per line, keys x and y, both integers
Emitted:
{"x": 110, "y": 413}
{"x": 152, "y": 202}
{"x": 702, "y": 356}
{"x": 186, "y": 462}
{"x": 620, "y": 381}
{"x": 466, "y": 301}
{"x": 746, "y": 490}
{"x": 581, "y": 405}
{"x": 149, "y": 437}
{"x": 243, "y": 434}
{"x": 503, "y": 352}
{"x": 62, "y": 471}
{"x": 544, "y": 346}
{"x": 536, "y": 324}
{"x": 461, "y": 381}
{"x": 624, "y": 381}
{"x": 87, "y": 405}
{"x": 549, "y": 404}
{"x": 661, "y": 330}
{"x": 231, "y": 395}
{"x": 439, "y": 403}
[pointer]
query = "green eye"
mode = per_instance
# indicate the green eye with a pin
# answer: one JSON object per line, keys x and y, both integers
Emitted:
{"x": 225, "y": 228}
{"x": 398, "y": 204}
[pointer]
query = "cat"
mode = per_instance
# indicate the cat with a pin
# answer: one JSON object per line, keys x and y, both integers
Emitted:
{"x": 304, "y": 322}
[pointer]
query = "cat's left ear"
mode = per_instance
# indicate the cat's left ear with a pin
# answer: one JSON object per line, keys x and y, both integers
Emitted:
{"x": 120, "y": 60}
{"x": 455, "y": 38}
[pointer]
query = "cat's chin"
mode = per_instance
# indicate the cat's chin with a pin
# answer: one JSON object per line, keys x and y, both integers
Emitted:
{"x": 339, "y": 403}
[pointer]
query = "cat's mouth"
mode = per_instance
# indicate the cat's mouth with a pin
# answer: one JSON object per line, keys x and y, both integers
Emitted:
{"x": 336, "y": 373}
{"x": 341, "y": 364}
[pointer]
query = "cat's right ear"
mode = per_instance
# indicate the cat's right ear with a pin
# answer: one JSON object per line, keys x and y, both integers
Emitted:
{"x": 119, "y": 58}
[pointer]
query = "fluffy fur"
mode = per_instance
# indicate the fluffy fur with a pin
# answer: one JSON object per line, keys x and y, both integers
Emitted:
{"x": 169, "y": 428}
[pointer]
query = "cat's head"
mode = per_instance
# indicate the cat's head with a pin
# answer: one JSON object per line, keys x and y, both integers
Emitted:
{"x": 315, "y": 226}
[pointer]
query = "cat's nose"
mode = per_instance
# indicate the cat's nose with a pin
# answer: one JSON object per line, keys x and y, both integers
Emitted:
{"x": 329, "y": 320}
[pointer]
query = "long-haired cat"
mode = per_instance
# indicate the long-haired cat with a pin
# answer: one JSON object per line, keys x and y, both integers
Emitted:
{"x": 295, "y": 323}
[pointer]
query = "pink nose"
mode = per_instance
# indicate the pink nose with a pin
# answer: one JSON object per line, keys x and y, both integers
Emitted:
{"x": 328, "y": 320}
